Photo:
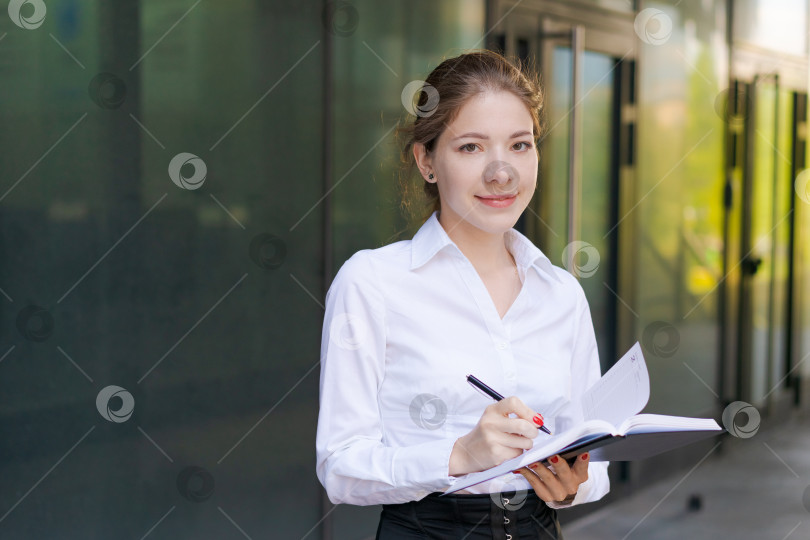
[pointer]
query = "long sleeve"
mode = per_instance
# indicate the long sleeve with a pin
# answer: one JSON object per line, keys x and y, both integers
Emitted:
{"x": 354, "y": 464}
{"x": 585, "y": 371}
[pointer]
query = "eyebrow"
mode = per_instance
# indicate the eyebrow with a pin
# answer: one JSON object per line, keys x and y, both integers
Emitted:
{"x": 481, "y": 136}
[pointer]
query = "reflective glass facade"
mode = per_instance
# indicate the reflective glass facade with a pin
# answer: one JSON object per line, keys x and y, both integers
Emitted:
{"x": 180, "y": 181}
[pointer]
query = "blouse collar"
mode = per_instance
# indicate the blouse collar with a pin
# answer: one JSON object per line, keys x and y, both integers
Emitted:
{"x": 432, "y": 238}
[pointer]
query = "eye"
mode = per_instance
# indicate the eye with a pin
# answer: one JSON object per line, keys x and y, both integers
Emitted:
{"x": 528, "y": 145}
{"x": 471, "y": 146}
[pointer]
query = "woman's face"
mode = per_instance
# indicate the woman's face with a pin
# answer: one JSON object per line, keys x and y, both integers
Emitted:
{"x": 486, "y": 151}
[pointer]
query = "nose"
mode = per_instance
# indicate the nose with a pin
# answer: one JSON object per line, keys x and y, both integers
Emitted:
{"x": 500, "y": 177}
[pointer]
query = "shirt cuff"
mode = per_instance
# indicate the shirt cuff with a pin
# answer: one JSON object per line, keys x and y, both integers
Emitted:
{"x": 425, "y": 466}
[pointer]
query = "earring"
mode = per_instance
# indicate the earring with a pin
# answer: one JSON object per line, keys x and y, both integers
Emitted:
{"x": 430, "y": 176}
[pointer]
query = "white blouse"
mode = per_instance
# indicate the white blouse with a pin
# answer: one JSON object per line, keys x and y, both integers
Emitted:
{"x": 404, "y": 325}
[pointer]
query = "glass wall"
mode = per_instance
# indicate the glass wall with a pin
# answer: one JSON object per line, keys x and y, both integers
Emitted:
{"x": 160, "y": 319}
{"x": 679, "y": 203}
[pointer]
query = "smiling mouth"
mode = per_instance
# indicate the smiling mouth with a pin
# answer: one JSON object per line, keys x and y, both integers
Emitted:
{"x": 498, "y": 198}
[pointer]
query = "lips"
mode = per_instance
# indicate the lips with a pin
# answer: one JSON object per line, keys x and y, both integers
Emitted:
{"x": 497, "y": 197}
{"x": 498, "y": 202}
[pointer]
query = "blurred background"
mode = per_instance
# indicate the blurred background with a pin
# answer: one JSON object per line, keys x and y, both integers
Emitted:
{"x": 180, "y": 181}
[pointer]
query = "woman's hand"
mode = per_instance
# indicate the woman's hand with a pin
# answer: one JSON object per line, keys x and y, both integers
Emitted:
{"x": 496, "y": 438}
{"x": 561, "y": 482}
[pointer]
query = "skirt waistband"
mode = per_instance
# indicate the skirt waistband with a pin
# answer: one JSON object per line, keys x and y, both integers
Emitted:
{"x": 497, "y": 516}
{"x": 521, "y": 502}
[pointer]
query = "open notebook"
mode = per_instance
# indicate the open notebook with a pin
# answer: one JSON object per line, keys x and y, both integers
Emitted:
{"x": 613, "y": 430}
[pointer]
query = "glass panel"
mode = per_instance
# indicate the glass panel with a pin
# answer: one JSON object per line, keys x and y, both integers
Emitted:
{"x": 597, "y": 118}
{"x": 762, "y": 230}
{"x": 394, "y": 43}
{"x": 679, "y": 187}
{"x": 597, "y": 194}
{"x": 802, "y": 246}
{"x": 555, "y": 156}
{"x": 781, "y": 238}
{"x": 781, "y": 251}
{"x": 770, "y": 229}
{"x": 779, "y": 25}
{"x": 165, "y": 291}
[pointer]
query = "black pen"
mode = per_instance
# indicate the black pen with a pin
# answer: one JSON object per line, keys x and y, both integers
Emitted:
{"x": 478, "y": 385}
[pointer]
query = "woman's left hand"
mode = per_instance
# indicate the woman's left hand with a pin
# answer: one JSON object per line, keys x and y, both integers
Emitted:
{"x": 553, "y": 487}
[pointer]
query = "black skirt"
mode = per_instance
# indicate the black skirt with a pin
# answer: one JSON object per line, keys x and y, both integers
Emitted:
{"x": 518, "y": 515}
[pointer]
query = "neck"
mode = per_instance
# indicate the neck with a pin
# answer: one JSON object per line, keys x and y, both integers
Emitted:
{"x": 486, "y": 251}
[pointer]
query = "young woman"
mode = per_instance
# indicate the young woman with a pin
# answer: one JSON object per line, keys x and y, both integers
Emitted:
{"x": 407, "y": 322}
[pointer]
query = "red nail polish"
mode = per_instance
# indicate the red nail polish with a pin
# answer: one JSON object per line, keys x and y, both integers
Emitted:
{"x": 515, "y": 472}
{"x": 584, "y": 456}
{"x": 538, "y": 420}
{"x": 533, "y": 466}
{"x": 554, "y": 459}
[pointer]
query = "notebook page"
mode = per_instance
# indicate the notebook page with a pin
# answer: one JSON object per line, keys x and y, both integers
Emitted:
{"x": 621, "y": 392}
{"x": 652, "y": 423}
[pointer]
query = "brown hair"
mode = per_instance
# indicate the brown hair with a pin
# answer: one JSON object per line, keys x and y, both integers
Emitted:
{"x": 445, "y": 90}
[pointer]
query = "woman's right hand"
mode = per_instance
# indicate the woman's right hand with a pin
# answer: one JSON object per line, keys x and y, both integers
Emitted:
{"x": 496, "y": 438}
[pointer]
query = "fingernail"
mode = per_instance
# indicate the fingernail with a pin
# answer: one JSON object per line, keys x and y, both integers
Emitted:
{"x": 584, "y": 456}
{"x": 554, "y": 459}
{"x": 533, "y": 466}
{"x": 538, "y": 420}
{"x": 515, "y": 472}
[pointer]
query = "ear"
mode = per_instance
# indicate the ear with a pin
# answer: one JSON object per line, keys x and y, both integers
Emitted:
{"x": 423, "y": 161}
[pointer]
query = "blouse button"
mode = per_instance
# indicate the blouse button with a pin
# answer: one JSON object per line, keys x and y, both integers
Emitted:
{"x": 502, "y": 345}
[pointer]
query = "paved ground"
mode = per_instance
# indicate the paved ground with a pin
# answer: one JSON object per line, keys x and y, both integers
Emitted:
{"x": 758, "y": 489}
